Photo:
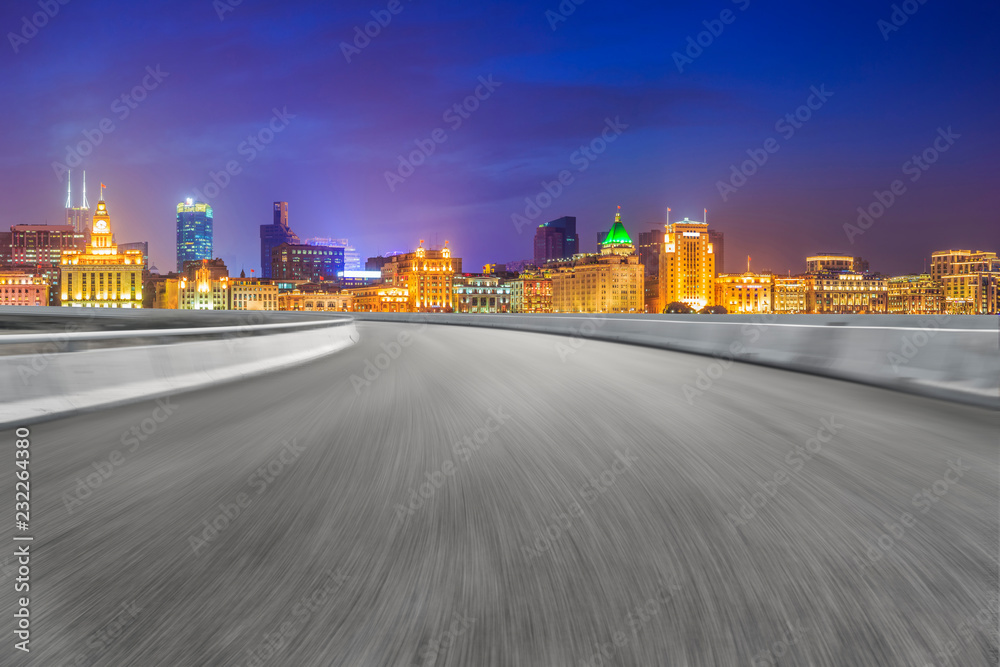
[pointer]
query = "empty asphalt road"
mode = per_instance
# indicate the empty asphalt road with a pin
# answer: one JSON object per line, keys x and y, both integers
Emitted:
{"x": 489, "y": 498}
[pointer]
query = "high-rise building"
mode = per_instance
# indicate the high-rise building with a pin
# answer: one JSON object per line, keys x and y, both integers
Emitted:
{"x": 100, "y": 276}
{"x": 38, "y": 249}
{"x": 718, "y": 241}
{"x": 687, "y": 265}
{"x": 306, "y": 262}
{"x": 831, "y": 262}
{"x": 78, "y": 217}
{"x": 971, "y": 280}
{"x": 556, "y": 239}
{"x": 915, "y": 295}
{"x": 194, "y": 232}
{"x": 749, "y": 293}
{"x": 352, "y": 258}
{"x": 273, "y": 235}
{"x": 649, "y": 248}
{"x": 427, "y": 274}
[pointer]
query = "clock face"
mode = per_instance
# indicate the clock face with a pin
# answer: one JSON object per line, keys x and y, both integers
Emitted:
{"x": 101, "y": 225}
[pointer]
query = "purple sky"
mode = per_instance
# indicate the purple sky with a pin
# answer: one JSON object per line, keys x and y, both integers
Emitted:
{"x": 557, "y": 88}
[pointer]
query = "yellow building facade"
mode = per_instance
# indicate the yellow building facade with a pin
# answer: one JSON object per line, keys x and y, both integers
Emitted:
{"x": 789, "y": 294}
{"x": 744, "y": 292}
{"x": 379, "y": 299}
{"x": 970, "y": 279}
{"x": 100, "y": 276}
{"x": 427, "y": 275}
{"x": 687, "y": 265}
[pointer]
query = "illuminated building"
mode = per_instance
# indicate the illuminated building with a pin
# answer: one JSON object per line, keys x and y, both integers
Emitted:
{"x": 531, "y": 294}
{"x": 789, "y": 294}
{"x": 194, "y": 232}
{"x": 832, "y": 262}
{"x": 203, "y": 290}
{"x": 427, "y": 275}
{"x": 252, "y": 294}
{"x": 78, "y": 217}
{"x": 556, "y": 239}
{"x": 352, "y": 258}
{"x": 687, "y": 265}
{"x": 316, "y": 300}
{"x": 100, "y": 276}
{"x": 744, "y": 292}
{"x": 38, "y": 249}
{"x": 612, "y": 282}
{"x": 23, "y": 289}
{"x": 379, "y": 299}
{"x": 161, "y": 291}
{"x": 845, "y": 293}
{"x": 274, "y": 235}
{"x": 306, "y": 262}
{"x": 480, "y": 294}
{"x": 971, "y": 280}
{"x": 915, "y": 295}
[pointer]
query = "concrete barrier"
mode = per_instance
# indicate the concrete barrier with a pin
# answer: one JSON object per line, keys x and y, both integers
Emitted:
{"x": 102, "y": 358}
{"x": 950, "y": 357}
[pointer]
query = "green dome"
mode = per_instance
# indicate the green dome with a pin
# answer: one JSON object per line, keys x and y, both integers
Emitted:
{"x": 617, "y": 234}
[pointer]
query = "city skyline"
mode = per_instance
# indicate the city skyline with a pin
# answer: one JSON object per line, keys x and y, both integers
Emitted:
{"x": 334, "y": 128}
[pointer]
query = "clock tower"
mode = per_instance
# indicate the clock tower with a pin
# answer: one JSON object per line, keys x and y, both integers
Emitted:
{"x": 100, "y": 276}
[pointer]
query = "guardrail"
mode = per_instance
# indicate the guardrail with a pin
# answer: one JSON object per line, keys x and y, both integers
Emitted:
{"x": 103, "y": 358}
{"x": 954, "y": 357}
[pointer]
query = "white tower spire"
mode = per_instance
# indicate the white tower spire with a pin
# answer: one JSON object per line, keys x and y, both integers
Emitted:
{"x": 69, "y": 188}
{"x": 85, "y": 204}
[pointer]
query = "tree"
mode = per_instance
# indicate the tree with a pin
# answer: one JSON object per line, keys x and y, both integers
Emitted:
{"x": 676, "y": 307}
{"x": 713, "y": 310}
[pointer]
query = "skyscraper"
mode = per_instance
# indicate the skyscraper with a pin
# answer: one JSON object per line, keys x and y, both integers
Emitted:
{"x": 687, "y": 265}
{"x": 352, "y": 258}
{"x": 78, "y": 216}
{"x": 194, "y": 232}
{"x": 556, "y": 240}
{"x": 273, "y": 235}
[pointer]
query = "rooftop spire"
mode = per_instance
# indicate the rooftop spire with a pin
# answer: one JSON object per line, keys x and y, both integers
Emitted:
{"x": 85, "y": 204}
{"x": 69, "y": 189}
